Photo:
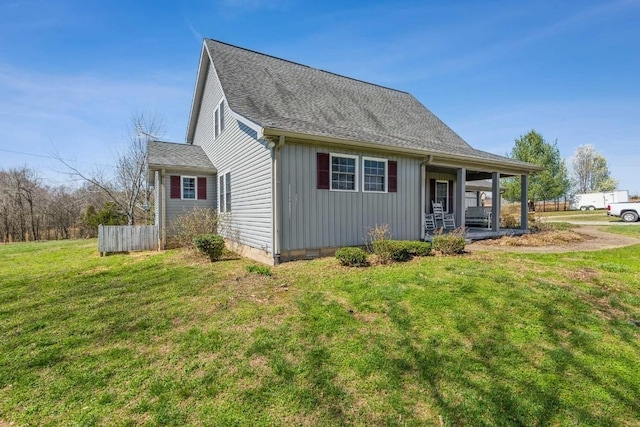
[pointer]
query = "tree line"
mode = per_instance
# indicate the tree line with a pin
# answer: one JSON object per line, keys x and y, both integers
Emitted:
{"x": 31, "y": 210}
{"x": 589, "y": 171}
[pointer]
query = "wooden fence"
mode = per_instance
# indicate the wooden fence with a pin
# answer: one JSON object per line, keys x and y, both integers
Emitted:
{"x": 125, "y": 238}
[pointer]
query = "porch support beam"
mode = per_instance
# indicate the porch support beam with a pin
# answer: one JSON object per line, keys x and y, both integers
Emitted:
{"x": 524, "y": 202}
{"x": 495, "y": 201}
{"x": 163, "y": 211}
{"x": 461, "y": 180}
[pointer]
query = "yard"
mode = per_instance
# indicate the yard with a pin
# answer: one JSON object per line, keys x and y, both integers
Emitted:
{"x": 488, "y": 338}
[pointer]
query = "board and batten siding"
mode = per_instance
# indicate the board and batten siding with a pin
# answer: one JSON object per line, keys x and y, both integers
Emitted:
{"x": 313, "y": 218}
{"x": 236, "y": 150}
{"x": 176, "y": 207}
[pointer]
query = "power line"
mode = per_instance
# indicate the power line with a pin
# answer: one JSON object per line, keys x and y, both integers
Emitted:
{"x": 51, "y": 157}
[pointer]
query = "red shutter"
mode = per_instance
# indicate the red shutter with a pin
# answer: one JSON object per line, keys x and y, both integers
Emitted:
{"x": 393, "y": 176}
{"x": 202, "y": 188}
{"x": 323, "y": 173}
{"x": 175, "y": 187}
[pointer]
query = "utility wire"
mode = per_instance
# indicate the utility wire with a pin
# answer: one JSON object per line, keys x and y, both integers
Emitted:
{"x": 51, "y": 157}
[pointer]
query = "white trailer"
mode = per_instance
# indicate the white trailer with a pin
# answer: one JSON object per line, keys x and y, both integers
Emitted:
{"x": 593, "y": 201}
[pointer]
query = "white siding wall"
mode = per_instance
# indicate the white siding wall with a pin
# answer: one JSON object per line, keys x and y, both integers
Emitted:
{"x": 314, "y": 218}
{"x": 248, "y": 160}
{"x": 177, "y": 207}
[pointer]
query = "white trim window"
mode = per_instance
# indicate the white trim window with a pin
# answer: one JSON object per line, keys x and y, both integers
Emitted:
{"x": 218, "y": 120}
{"x": 344, "y": 172}
{"x": 224, "y": 192}
{"x": 375, "y": 174}
{"x": 189, "y": 189}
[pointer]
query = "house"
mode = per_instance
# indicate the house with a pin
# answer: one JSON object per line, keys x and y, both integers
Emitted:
{"x": 301, "y": 161}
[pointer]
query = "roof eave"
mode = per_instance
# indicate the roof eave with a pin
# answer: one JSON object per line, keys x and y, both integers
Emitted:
{"x": 201, "y": 77}
{"x": 436, "y": 157}
{"x": 159, "y": 166}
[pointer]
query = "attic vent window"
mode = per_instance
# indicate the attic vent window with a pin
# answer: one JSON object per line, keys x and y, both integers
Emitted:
{"x": 218, "y": 119}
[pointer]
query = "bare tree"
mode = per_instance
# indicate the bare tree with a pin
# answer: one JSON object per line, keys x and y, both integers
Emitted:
{"x": 19, "y": 192}
{"x": 127, "y": 185}
{"x": 63, "y": 210}
{"x": 590, "y": 171}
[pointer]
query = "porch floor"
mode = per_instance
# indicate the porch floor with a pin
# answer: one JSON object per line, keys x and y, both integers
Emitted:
{"x": 472, "y": 234}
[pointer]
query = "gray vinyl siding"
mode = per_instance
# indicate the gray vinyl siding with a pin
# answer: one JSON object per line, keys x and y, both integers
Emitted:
{"x": 313, "y": 218}
{"x": 176, "y": 207}
{"x": 236, "y": 150}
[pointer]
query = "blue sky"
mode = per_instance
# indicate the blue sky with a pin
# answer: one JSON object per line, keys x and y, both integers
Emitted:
{"x": 72, "y": 73}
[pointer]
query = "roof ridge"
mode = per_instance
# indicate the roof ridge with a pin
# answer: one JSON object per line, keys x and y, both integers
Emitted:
{"x": 168, "y": 142}
{"x": 309, "y": 67}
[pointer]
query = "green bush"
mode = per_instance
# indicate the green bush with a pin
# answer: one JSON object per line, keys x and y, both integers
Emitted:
{"x": 211, "y": 245}
{"x": 352, "y": 257}
{"x": 449, "y": 244}
{"x": 416, "y": 247}
{"x": 259, "y": 269}
{"x": 399, "y": 250}
{"x": 388, "y": 250}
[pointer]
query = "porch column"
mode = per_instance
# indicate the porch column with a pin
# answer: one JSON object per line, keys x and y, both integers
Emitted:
{"x": 157, "y": 218}
{"x": 524, "y": 202}
{"x": 495, "y": 201}
{"x": 460, "y": 195}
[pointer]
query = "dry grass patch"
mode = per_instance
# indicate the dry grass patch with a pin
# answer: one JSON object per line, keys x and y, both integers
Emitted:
{"x": 584, "y": 274}
{"x": 544, "y": 238}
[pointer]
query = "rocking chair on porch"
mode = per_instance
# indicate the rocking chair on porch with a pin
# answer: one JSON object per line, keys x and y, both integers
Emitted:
{"x": 449, "y": 221}
{"x": 438, "y": 211}
{"x": 429, "y": 222}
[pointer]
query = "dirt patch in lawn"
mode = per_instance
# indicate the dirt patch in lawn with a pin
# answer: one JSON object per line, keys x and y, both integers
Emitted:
{"x": 587, "y": 238}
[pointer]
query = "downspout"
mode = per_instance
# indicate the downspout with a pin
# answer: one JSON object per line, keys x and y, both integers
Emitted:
{"x": 163, "y": 220}
{"x": 277, "y": 196}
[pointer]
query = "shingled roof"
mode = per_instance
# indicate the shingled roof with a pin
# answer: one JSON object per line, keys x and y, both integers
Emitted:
{"x": 282, "y": 95}
{"x": 181, "y": 156}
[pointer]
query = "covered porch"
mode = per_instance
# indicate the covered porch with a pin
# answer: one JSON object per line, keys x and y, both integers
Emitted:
{"x": 451, "y": 187}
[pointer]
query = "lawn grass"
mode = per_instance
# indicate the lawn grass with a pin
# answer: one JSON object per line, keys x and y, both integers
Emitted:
{"x": 597, "y": 215}
{"x": 169, "y": 339}
{"x": 632, "y": 230}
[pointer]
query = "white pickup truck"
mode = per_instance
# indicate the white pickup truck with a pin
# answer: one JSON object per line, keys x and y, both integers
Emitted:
{"x": 628, "y": 212}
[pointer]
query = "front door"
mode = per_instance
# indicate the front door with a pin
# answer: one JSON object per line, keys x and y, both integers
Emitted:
{"x": 442, "y": 194}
